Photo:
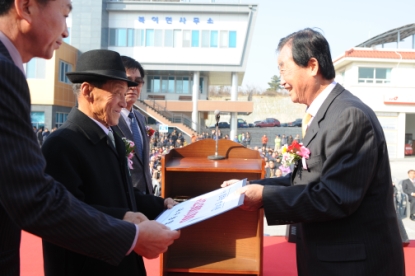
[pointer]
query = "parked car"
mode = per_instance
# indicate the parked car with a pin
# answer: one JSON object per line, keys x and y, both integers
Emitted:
{"x": 268, "y": 122}
{"x": 242, "y": 123}
{"x": 283, "y": 124}
{"x": 221, "y": 125}
{"x": 408, "y": 149}
{"x": 296, "y": 123}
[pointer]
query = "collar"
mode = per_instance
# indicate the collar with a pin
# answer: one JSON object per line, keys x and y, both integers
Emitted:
{"x": 319, "y": 100}
{"x": 104, "y": 128}
{"x": 15, "y": 55}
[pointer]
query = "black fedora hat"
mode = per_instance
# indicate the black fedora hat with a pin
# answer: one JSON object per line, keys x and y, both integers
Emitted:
{"x": 96, "y": 65}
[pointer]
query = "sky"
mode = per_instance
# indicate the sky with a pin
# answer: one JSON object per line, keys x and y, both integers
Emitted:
{"x": 345, "y": 24}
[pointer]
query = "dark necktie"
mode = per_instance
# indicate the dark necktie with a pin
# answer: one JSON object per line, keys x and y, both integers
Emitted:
{"x": 111, "y": 137}
{"x": 136, "y": 135}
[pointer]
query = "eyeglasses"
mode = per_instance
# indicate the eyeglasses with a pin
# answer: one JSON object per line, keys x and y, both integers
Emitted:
{"x": 140, "y": 82}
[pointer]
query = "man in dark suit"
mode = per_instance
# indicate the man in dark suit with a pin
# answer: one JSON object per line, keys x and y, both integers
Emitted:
{"x": 408, "y": 187}
{"x": 140, "y": 173}
{"x": 342, "y": 195}
{"x": 29, "y": 198}
{"x": 86, "y": 157}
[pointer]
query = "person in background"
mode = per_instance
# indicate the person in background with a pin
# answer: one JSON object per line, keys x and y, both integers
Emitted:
{"x": 277, "y": 143}
{"x": 264, "y": 141}
{"x": 408, "y": 187}
{"x": 132, "y": 125}
{"x": 341, "y": 196}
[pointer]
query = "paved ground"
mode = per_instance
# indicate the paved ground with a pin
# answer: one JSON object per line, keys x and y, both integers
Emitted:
{"x": 399, "y": 169}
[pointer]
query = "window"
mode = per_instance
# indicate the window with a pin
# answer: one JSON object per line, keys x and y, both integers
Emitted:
{"x": 214, "y": 39}
{"x": 168, "y": 38}
{"x": 158, "y": 38}
{"x": 177, "y": 40}
{"x": 35, "y": 68}
{"x": 195, "y": 38}
{"x": 60, "y": 118}
{"x": 205, "y": 39}
{"x": 139, "y": 37}
{"x": 232, "y": 39}
{"x": 130, "y": 37}
{"x": 374, "y": 75}
{"x": 186, "y": 38}
{"x": 169, "y": 84}
{"x": 63, "y": 69}
{"x": 38, "y": 119}
{"x": 149, "y": 37}
{"x": 121, "y": 37}
{"x": 224, "y": 39}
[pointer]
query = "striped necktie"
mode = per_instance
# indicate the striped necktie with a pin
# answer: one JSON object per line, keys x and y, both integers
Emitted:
{"x": 304, "y": 125}
{"x": 136, "y": 135}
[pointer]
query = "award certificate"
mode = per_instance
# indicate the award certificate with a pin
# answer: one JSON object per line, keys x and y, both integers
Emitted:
{"x": 203, "y": 207}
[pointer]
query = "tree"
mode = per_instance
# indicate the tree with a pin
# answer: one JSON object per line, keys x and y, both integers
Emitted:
{"x": 275, "y": 83}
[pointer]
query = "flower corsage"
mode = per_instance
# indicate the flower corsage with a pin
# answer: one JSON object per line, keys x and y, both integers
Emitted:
{"x": 150, "y": 131}
{"x": 295, "y": 152}
{"x": 129, "y": 151}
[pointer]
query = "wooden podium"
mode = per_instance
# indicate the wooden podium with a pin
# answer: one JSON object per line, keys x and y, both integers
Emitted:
{"x": 228, "y": 244}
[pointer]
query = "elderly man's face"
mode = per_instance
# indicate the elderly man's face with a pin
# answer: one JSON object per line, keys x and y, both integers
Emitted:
{"x": 133, "y": 92}
{"x": 295, "y": 79}
{"x": 47, "y": 28}
{"x": 107, "y": 102}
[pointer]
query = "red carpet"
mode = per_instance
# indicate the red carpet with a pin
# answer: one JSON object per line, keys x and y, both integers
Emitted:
{"x": 279, "y": 258}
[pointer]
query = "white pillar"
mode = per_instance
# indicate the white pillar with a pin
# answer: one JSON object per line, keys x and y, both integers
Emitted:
{"x": 401, "y": 129}
{"x": 234, "y": 97}
{"x": 195, "y": 98}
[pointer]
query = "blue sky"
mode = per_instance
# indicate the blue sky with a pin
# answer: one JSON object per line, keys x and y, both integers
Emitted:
{"x": 344, "y": 23}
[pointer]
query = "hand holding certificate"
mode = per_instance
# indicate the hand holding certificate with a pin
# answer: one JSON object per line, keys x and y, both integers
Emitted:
{"x": 203, "y": 207}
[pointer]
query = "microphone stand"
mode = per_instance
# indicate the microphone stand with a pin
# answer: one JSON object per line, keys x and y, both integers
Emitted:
{"x": 216, "y": 156}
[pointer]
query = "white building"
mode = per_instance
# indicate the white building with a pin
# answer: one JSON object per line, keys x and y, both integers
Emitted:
{"x": 385, "y": 80}
{"x": 183, "y": 47}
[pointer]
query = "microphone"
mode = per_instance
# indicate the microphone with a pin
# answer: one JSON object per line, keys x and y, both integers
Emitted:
{"x": 217, "y": 116}
{"x": 216, "y": 156}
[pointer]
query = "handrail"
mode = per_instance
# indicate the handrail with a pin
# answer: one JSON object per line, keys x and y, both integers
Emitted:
{"x": 172, "y": 117}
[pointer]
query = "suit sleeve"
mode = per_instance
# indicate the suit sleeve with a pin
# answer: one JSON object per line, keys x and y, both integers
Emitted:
{"x": 33, "y": 199}
{"x": 149, "y": 205}
{"x": 347, "y": 163}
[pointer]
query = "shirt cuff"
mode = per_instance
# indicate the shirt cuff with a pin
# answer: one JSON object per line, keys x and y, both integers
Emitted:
{"x": 135, "y": 240}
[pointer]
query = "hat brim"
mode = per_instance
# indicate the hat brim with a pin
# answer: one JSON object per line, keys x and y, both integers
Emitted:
{"x": 80, "y": 77}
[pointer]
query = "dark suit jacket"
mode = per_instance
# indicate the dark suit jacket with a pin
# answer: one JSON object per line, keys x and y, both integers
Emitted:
{"x": 34, "y": 201}
{"x": 80, "y": 155}
{"x": 140, "y": 173}
{"x": 408, "y": 187}
{"x": 343, "y": 202}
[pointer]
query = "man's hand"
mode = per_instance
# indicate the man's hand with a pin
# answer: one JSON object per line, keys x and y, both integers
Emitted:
{"x": 230, "y": 182}
{"x": 169, "y": 203}
{"x": 135, "y": 218}
{"x": 253, "y": 197}
{"x": 153, "y": 239}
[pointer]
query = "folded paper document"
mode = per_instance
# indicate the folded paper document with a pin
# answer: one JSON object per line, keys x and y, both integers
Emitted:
{"x": 203, "y": 207}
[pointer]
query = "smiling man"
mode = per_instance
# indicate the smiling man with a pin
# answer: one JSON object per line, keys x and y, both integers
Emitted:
{"x": 86, "y": 157}
{"x": 30, "y": 199}
{"x": 342, "y": 195}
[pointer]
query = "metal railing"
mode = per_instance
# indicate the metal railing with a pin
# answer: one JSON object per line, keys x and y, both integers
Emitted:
{"x": 172, "y": 117}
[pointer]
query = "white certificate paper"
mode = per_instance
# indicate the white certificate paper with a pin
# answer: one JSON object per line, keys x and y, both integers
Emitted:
{"x": 203, "y": 207}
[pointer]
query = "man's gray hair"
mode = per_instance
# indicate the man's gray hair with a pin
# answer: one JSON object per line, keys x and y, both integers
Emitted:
{"x": 76, "y": 87}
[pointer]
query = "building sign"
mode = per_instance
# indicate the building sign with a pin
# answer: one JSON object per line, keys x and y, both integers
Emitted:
{"x": 163, "y": 128}
{"x": 169, "y": 20}
{"x": 399, "y": 99}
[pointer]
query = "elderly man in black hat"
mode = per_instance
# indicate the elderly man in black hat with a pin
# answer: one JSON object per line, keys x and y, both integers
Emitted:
{"x": 85, "y": 156}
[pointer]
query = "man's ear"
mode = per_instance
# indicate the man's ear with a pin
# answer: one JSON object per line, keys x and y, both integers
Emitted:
{"x": 25, "y": 9}
{"x": 86, "y": 91}
{"x": 313, "y": 66}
